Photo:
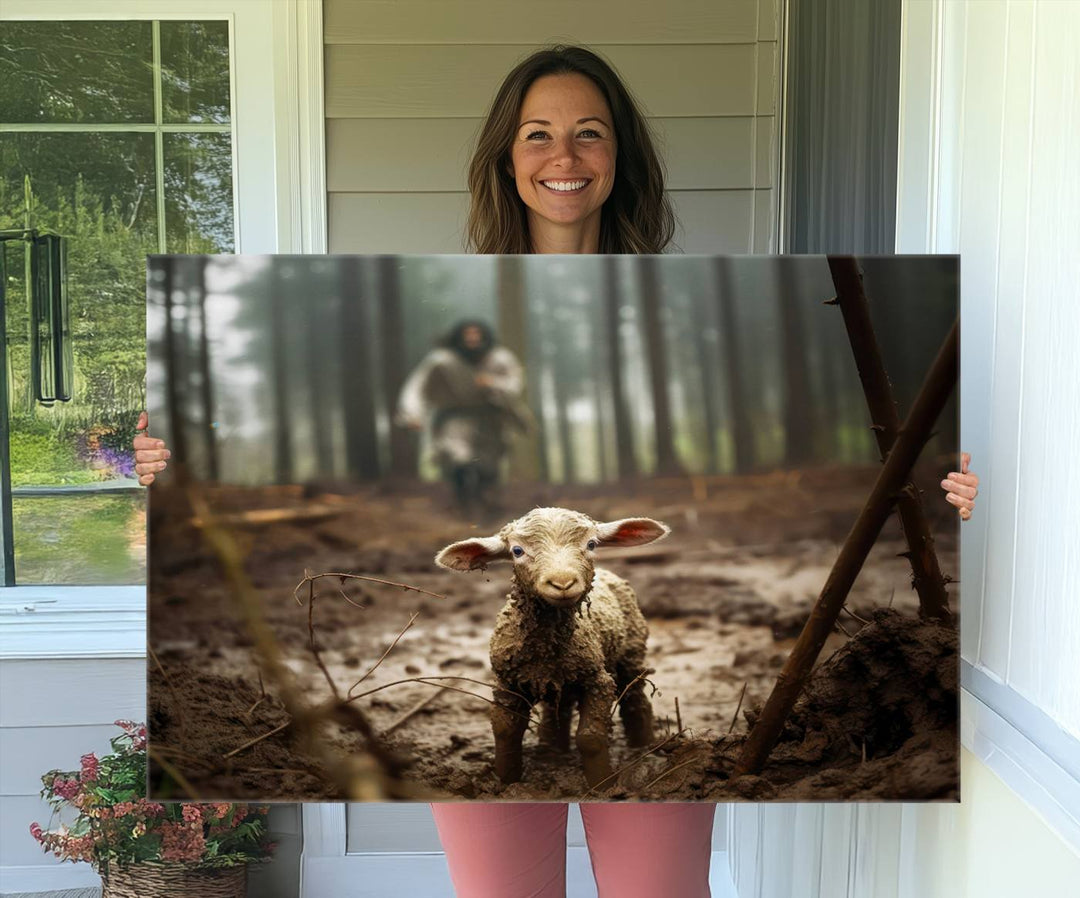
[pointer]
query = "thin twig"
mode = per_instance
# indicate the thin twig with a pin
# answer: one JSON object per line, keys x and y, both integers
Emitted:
{"x": 678, "y": 716}
{"x": 861, "y": 620}
{"x": 311, "y": 637}
{"x": 262, "y": 694}
{"x": 384, "y": 654}
{"x": 839, "y": 626}
{"x": 257, "y": 740}
{"x": 632, "y": 763}
{"x": 640, "y": 676}
{"x": 654, "y": 781}
{"x": 424, "y": 702}
{"x": 424, "y": 680}
{"x": 343, "y": 576}
{"x": 738, "y": 706}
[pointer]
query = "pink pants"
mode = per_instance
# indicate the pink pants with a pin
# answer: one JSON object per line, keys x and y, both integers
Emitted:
{"x": 502, "y": 850}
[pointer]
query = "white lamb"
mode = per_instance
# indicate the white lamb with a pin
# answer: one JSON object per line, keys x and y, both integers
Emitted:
{"x": 569, "y": 633}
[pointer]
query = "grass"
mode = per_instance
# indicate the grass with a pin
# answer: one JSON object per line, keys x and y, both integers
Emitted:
{"x": 80, "y": 540}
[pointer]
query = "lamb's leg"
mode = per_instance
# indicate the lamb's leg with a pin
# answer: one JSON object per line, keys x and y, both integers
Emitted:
{"x": 509, "y": 718}
{"x": 594, "y": 730}
{"x": 635, "y": 709}
{"x": 555, "y": 727}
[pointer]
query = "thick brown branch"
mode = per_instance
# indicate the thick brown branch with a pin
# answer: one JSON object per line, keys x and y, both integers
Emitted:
{"x": 912, "y": 437}
{"x": 928, "y": 580}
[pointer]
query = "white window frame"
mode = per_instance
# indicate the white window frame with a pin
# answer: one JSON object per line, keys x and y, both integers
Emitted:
{"x": 279, "y": 206}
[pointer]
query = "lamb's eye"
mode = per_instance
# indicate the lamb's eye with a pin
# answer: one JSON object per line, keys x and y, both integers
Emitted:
{"x": 591, "y": 544}
{"x": 518, "y": 551}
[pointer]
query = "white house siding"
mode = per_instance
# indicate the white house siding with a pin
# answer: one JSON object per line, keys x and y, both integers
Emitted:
{"x": 408, "y": 82}
{"x": 53, "y": 712}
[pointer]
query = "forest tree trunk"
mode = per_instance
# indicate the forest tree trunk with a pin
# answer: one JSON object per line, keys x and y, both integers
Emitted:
{"x": 403, "y": 448}
{"x": 666, "y": 462}
{"x": 798, "y": 433}
{"x": 741, "y": 429}
{"x": 206, "y": 387}
{"x": 357, "y": 366}
{"x": 624, "y": 438}
{"x": 512, "y": 332}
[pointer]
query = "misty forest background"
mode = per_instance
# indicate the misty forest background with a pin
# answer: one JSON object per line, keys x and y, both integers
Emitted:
{"x": 283, "y": 369}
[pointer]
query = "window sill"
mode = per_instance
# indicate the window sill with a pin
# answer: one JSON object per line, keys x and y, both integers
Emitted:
{"x": 1034, "y": 757}
{"x": 73, "y": 622}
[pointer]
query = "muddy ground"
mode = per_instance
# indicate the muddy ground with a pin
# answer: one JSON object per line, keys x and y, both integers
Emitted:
{"x": 725, "y": 596}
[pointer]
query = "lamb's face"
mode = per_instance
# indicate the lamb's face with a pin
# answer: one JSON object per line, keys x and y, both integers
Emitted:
{"x": 553, "y": 550}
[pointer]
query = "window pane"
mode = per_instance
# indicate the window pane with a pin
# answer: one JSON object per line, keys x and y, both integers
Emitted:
{"x": 76, "y": 72}
{"x": 98, "y": 191}
{"x": 78, "y": 180}
{"x": 198, "y": 193}
{"x": 81, "y": 540}
{"x": 195, "y": 71}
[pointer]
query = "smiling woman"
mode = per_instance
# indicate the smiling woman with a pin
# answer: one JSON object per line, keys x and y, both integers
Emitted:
{"x": 561, "y": 117}
{"x": 563, "y": 161}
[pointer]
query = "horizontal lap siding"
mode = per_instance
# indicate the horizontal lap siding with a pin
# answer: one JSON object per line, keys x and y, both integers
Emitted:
{"x": 478, "y": 22}
{"x": 53, "y": 712}
{"x": 408, "y": 83}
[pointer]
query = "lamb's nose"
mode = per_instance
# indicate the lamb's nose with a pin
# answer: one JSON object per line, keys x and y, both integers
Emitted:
{"x": 562, "y": 583}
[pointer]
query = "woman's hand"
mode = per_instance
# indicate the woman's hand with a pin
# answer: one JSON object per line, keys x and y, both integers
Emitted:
{"x": 961, "y": 488}
{"x": 150, "y": 454}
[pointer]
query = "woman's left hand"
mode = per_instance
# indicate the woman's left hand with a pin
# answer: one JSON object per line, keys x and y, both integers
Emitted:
{"x": 961, "y": 488}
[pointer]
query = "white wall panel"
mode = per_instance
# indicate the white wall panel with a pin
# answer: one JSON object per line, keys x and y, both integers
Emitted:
{"x": 980, "y": 175}
{"x": 1045, "y": 632}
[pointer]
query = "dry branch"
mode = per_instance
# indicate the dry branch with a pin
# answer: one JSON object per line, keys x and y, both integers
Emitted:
{"x": 928, "y": 580}
{"x": 358, "y": 779}
{"x": 257, "y": 517}
{"x": 913, "y": 435}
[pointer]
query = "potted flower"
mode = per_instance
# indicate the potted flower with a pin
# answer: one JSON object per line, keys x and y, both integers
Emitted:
{"x": 141, "y": 847}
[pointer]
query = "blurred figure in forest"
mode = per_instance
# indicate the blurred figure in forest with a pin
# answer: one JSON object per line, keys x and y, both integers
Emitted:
{"x": 469, "y": 391}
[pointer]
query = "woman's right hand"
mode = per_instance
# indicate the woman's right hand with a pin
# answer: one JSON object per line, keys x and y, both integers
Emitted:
{"x": 150, "y": 453}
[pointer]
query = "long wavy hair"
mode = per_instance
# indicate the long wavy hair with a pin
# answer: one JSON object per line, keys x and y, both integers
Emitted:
{"x": 637, "y": 216}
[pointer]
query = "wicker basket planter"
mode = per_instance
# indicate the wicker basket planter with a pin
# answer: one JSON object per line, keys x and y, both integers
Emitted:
{"x": 158, "y": 880}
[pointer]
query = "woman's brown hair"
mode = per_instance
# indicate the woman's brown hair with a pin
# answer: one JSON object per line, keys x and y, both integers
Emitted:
{"x": 637, "y": 216}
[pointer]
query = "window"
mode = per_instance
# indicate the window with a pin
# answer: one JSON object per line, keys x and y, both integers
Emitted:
{"x": 117, "y": 135}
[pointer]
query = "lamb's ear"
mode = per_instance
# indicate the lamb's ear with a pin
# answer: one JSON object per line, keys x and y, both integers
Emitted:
{"x": 631, "y": 532}
{"x": 470, "y": 554}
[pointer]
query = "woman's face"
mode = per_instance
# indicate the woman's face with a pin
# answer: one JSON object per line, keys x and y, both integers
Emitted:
{"x": 563, "y": 154}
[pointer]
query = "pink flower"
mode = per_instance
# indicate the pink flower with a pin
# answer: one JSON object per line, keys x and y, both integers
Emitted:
{"x": 191, "y": 813}
{"x": 89, "y": 768}
{"x": 35, "y": 831}
{"x": 149, "y": 808}
{"x": 66, "y": 789}
{"x": 181, "y": 842}
{"x": 123, "y": 808}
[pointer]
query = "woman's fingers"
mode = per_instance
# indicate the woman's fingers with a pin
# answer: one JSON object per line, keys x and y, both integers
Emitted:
{"x": 966, "y": 485}
{"x": 144, "y": 421}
